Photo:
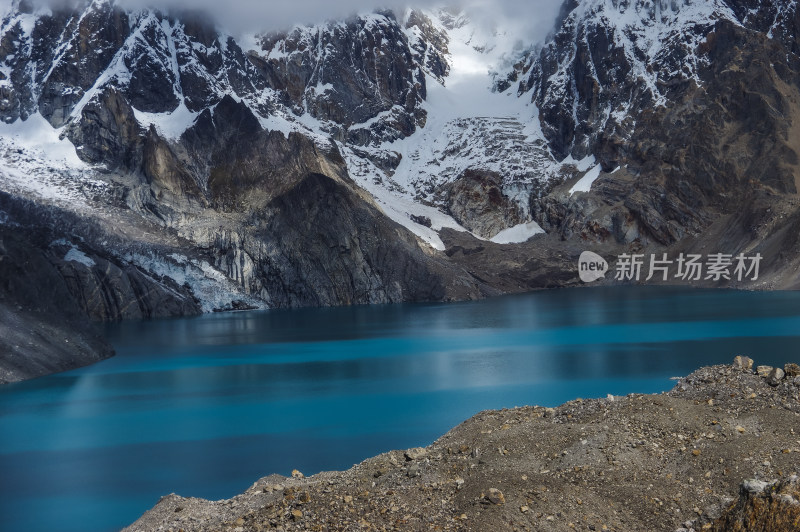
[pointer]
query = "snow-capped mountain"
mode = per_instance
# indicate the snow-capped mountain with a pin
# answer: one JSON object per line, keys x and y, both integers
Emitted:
{"x": 170, "y": 68}
{"x": 391, "y": 156}
{"x": 695, "y": 101}
{"x": 611, "y": 60}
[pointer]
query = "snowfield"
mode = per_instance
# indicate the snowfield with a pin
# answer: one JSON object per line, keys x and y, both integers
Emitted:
{"x": 468, "y": 126}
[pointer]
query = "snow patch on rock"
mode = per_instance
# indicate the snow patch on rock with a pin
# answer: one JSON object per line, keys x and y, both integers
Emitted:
{"x": 169, "y": 125}
{"x": 518, "y": 233}
{"x": 36, "y": 134}
{"x": 76, "y": 255}
{"x": 212, "y": 287}
{"x": 584, "y": 184}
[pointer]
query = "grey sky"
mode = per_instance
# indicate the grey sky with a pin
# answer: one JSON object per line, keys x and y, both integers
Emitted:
{"x": 531, "y": 19}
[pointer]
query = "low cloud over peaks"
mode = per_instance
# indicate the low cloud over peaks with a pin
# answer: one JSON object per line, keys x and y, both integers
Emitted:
{"x": 531, "y": 19}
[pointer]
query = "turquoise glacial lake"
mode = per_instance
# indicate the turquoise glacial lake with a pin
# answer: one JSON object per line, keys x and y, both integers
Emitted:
{"x": 205, "y": 406}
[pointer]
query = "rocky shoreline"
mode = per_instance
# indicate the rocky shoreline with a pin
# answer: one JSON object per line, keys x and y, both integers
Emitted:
{"x": 717, "y": 452}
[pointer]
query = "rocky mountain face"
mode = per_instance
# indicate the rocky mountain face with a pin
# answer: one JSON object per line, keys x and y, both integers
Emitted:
{"x": 196, "y": 133}
{"x": 384, "y": 78}
{"x": 170, "y": 168}
{"x": 696, "y": 101}
{"x": 42, "y": 329}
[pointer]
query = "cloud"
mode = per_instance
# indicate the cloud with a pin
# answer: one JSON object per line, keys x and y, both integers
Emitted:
{"x": 530, "y": 19}
{"x": 536, "y": 16}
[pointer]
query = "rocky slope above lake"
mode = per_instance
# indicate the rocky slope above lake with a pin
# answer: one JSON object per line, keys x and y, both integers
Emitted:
{"x": 667, "y": 462}
{"x": 42, "y": 328}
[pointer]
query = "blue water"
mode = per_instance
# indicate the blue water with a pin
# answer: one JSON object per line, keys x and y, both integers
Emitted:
{"x": 206, "y": 406}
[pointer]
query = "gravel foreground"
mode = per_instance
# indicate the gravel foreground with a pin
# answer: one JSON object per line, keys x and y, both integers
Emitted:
{"x": 720, "y": 451}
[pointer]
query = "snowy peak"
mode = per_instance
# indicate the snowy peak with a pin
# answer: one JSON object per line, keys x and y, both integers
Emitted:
{"x": 167, "y": 61}
{"x": 50, "y": 57}
{"x": 83, "y": 51}
{"x": 413, "y": 102}
{"x": 346, "y": 73}
{"x": 428, "y": 44}
{"x": 694, "y": 100}
{"x": 610, "y": 59}
{"x": 408, "y": 99}
{"x": 56, "y": 61}
{"x": 422, "y": 180}
{"x": 479, "y": 50}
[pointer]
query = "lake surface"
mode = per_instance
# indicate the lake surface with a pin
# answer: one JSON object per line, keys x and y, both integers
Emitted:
{"x": 205, "y": 406}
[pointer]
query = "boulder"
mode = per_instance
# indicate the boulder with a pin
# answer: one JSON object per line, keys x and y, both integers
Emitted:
{"x": 775, "y": 377}
{"x": 792, "y": 370}
{"x": 764, "y": 371}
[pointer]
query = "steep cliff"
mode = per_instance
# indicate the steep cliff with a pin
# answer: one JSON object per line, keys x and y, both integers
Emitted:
{"x": 42, "y": 328}
{"x": 696, "y": 103}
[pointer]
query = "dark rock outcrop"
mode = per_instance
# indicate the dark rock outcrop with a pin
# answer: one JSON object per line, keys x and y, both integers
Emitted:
{"x": 108, "y": 292}
{"x": 366, "y": 258}
{"x": 101, "y": 287}
{"x": 245, "y": 166}
{"x": 543, "y": 262}
{"x": 42, "y": 328}
{"x": 306, "y": 64}
{"x": 108, "y": 132}
{"x": 476, "y": 201}
{"x": 769, "y": 506}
